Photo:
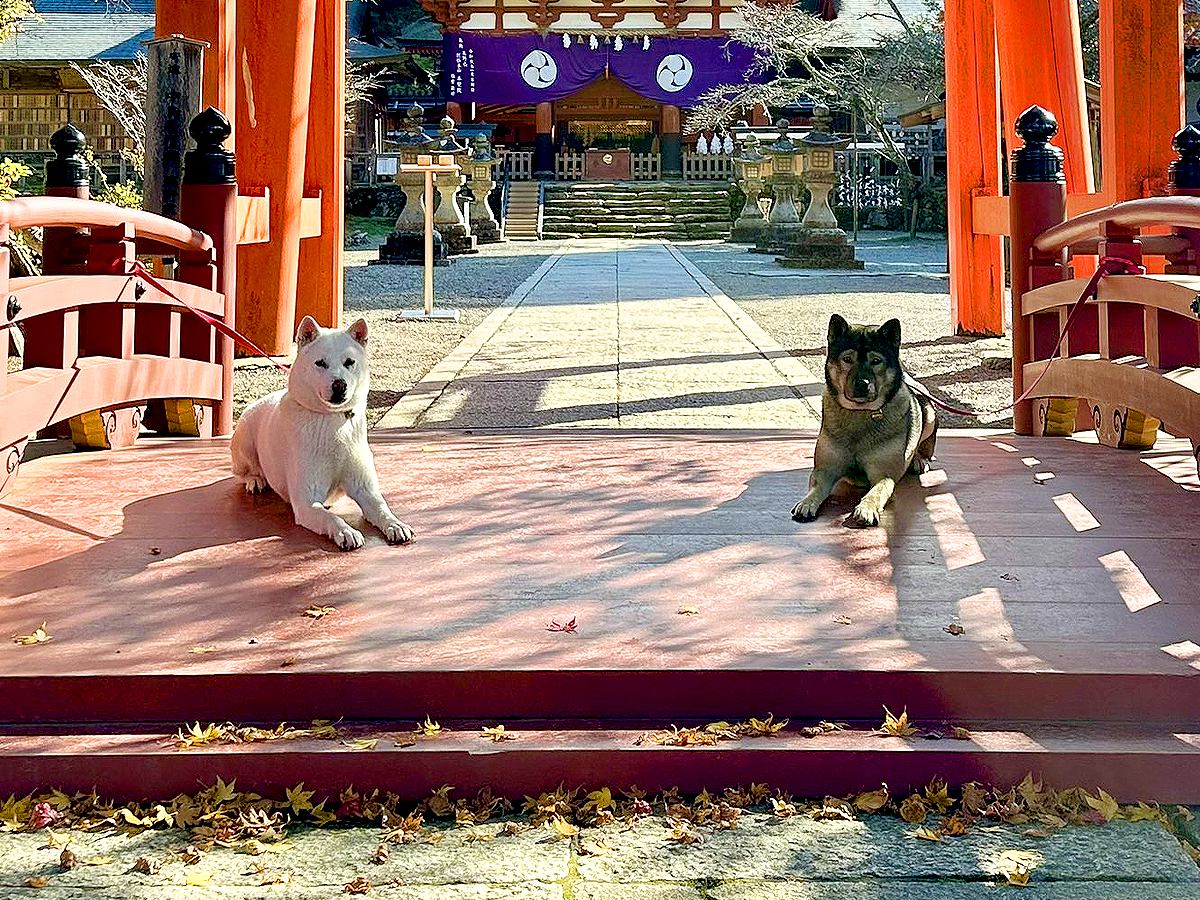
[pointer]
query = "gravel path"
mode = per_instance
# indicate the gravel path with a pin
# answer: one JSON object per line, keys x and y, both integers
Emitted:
{"x": 402, "y": 352}
{"x": 903, "y": 278}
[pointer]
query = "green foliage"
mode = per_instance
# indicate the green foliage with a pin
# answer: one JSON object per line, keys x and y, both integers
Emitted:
{"x": 11, "y": 172}
{"x": 123, "y": 193}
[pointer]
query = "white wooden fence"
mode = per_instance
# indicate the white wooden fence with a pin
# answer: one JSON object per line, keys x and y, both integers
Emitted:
{"x": 707, "y": 167}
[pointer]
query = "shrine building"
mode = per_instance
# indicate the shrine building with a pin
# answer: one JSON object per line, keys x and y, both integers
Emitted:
{"x": 570, "y": 76}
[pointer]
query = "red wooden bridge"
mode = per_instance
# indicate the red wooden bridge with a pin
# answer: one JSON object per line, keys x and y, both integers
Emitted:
{"x": 1038, "y": 591}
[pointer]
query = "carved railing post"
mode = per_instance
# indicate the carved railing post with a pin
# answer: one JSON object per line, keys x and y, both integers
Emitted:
{"x": 1037, "y": 200}
{"x": 208, "y": 203}
{"x": 1184, "y": 181}
{"x": 64, "y": 250}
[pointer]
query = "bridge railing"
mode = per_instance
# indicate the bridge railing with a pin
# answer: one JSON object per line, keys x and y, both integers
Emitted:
{"x": 105, "y": 353}
{"x": 1130, "y": 358}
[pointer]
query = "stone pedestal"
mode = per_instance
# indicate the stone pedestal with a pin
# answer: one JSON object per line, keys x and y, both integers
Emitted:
{"x": 407, "y": 248}
{"x": 750, "y": 223}
{"x": 819, "y": 248}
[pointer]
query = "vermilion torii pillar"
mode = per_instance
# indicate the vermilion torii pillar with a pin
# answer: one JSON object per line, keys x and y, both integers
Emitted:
{"x": 276, "y": 67}
{"x": 1026, "y": 52}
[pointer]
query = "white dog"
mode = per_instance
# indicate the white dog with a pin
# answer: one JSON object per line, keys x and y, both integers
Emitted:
{"x": 309, "y": 443}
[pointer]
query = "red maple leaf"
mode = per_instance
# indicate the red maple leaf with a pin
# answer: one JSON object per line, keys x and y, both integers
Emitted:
{"x": 568, "y": 628}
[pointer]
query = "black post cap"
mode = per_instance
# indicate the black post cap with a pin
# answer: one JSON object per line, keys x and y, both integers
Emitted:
{"x": 1038, "y": 160}
{"x": 68, "y": 168}
{"x": 1185, "y": 171}
{"x": 209, "y": 162}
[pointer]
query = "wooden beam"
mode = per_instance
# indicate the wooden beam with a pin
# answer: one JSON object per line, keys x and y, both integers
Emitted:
{"x": 973, "y": 170}
{"x": 321, "y": 281}
{"x": 1041, "y": 63}
{"x": 1141, "y": 89}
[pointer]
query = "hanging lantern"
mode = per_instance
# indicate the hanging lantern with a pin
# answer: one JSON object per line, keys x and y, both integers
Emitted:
{"x": 592, "y": 42}
{"x": 566, "y": 42}
{"x": 646, "y": 42}
{"x": 618, "y": 44}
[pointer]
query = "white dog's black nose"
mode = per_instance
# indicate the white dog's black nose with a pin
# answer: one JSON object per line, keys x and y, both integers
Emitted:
{"x": 337, "y": 390}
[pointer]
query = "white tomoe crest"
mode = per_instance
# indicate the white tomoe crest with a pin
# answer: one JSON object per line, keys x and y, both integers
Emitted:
{"x": 674, "y": 72}
{"x": 538, "y": 69}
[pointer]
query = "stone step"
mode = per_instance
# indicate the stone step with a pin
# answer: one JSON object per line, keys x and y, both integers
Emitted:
{"x": 1131, "y": 761}
{"x": 557, "y": 218}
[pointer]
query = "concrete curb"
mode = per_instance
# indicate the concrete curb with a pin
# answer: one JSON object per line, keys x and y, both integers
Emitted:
{"x": 803, "y": 383}
{"x": 416, "y": 402}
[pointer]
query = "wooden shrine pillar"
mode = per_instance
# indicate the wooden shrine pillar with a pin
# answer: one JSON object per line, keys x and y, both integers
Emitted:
{"x": 1141, "y": 94}
{"x": 672, "y": 143}
{"x": 972, "y": 121}
{"x": 215, "y": 23}
{"x": 758, "y": 115}
{"x": 275, "y": 40}
{"x": 543, "y": 148}
{"x": 1041, "y": 64}
{"x": 454, "y": 111}
{"x": 320, "y": 282}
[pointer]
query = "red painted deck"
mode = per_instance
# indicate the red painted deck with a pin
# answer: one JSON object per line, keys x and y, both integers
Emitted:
{"x": 1078, "y": 596}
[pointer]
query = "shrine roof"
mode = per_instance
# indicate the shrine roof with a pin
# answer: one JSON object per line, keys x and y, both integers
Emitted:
{"x": 66, "y": 30}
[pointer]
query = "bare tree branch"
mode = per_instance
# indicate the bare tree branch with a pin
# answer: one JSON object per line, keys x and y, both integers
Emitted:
{"x": 121, "y": 89}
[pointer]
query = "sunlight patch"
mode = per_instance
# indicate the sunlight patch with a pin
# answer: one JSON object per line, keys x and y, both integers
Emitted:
{"x": 1129, "y": 581}
{"x": 1075, "y": 512}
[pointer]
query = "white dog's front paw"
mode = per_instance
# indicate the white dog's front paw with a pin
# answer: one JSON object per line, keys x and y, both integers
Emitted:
{"x": 255, "y": 484}
{"x": 396, "y": 531}
{"x": 346, "y": 537}
{"x": 865, "y": 515}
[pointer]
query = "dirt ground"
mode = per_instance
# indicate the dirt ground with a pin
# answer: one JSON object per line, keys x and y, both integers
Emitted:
{"x": 402, "y": 352}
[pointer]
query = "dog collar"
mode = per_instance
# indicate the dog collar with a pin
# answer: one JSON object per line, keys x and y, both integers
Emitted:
{"x": 349, "y": 414}
{"x": 877, "y": 415}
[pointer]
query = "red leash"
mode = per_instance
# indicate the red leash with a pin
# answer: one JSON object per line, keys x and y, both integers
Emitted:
{"x": 1109, "y": 265}
{"x": 137, "y": 270}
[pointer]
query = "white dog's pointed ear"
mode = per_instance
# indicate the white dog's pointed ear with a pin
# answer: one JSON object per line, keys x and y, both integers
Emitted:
{"x": 358, "y": 331}
{"x": 307, "y": 332}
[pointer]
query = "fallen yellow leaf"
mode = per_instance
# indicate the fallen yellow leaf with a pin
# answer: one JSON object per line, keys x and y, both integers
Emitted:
{"x": 871, "y": 801}
{"x": 429, "y": 728}
{"x": 688, "y": 611}
{"x": 205, "y": 649}
{"x": 1104, "y": 804}
{"x": 896, "y": 726}
{"x": 97, "y": 861}
{"x": 496, "y": 734}
{"x": 928, "y": 834}
{"x": 1018, "y": 876}
{"x": 39, "y": 636}
{"x": 320, "y": 612}
{"x": 38, "y": 881}
{"x": 198, "y": 879}
{"x": 361, "y": 744}
{"x": 561, "y": 828}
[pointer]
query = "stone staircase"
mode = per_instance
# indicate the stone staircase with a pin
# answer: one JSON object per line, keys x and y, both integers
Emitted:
{"x": 521, "y": 216}
{"x": 636, "y": 209}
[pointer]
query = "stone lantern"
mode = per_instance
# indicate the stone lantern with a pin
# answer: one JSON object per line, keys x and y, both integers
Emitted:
{"x": 406, "y": 244}
{"x": 751, "y": 222}
{"x": 447, "y": 215}
{"x": 820, "y": 243}
{"x": 481, "y": 182}
{"x": 786, "y": 163}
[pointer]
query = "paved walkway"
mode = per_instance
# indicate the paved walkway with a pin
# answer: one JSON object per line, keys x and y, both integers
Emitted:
{"x": 615, "y": 334}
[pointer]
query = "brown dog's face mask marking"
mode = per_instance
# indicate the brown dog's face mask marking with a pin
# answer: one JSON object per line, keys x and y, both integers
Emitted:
{"x": 862, "y": 364}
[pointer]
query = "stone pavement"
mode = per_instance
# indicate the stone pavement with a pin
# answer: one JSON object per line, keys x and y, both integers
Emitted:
{"x": 615, "y": 333}
{"x": 763, "y": 858}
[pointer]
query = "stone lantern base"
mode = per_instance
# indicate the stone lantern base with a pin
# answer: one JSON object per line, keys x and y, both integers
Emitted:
{"x": 457, "y": 238}
{"x": 776, "y": 237}
{"x": 819, "y": 248}
{"x": 407, "y": 248}
{"x": 747, "y": 231}
{"x": 486, "y": 231}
